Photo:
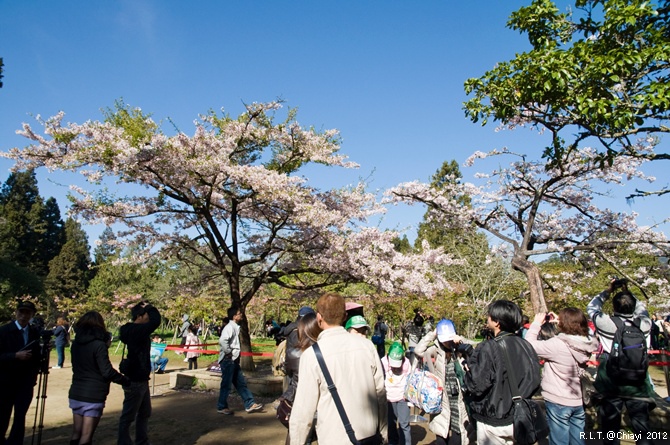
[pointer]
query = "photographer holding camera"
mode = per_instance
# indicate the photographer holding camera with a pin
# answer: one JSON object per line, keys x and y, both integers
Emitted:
{"x": 137, "y": 400}
{"x": 19, "y": 366}
{"x": 622, "y": 376}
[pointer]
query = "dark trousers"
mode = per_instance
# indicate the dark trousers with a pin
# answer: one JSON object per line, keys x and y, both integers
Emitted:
{"x": 17, "y": 398}
{"x": 136, "y": 408}
{"x": 638, "y": 412}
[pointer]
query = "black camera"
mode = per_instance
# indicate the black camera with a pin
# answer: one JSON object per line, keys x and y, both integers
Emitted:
{"x": 465, "y": 349}
{"x": 618, "y": 282}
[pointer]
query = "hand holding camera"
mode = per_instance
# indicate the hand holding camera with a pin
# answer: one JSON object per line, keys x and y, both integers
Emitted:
{"x": 617, "y": 283}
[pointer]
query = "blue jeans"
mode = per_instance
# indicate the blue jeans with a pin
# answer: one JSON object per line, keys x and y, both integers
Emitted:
{"x": 565, "y": 423}
{"x": 136, "y": 408}
{"x": 60, "y": 350}
{"x": 399, "y": 412}
{"x": 160, "y": 364}
{"x": 231, "y": 374}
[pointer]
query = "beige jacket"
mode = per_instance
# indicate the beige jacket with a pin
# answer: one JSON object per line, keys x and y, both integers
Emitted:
{"x": 354, "y": 365}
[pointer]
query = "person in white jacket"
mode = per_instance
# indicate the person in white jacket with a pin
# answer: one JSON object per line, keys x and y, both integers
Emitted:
{"x": 452, "y": 425}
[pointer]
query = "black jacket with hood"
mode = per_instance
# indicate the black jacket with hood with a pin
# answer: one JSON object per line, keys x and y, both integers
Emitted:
{"x": 487, "y": 378}
{"x": 91, "y": 369}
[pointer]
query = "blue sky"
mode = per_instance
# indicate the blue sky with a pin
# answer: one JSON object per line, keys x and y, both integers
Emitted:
{"x": 388, "y": 74}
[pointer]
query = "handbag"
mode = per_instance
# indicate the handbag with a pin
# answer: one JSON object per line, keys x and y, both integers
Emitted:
{"x": 372, "y": 440}
{"x": 284, "y": 412}
{"x": 530, "y": 423}
{"x": 424, "y": 390}
{"x": 590, "y": 396}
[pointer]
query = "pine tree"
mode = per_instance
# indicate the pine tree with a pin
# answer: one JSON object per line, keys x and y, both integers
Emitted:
{"x": 69, "y": 270}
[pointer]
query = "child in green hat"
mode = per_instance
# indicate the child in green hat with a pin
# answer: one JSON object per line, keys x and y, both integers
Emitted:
{"x": 396, "y": 369}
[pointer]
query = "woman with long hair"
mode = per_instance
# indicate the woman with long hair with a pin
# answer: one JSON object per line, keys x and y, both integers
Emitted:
{"x": 91, "y": 374}
{"x": 308, "y": 332}
{"x": 564, "y": 356}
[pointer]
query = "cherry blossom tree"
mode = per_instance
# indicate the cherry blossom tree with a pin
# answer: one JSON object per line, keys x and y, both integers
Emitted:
{"x": 232, "y": 195}
{"x": 596, "y": 73}
{"x": 535, "y": 209}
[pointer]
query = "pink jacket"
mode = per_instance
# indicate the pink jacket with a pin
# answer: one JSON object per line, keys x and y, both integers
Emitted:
{"x": 562, "y": 355}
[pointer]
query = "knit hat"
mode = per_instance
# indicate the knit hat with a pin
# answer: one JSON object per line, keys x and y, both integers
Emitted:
{"x": 396, "y": 354}
{"x": 446, "y": 331}
{"x": 357, "y": 321}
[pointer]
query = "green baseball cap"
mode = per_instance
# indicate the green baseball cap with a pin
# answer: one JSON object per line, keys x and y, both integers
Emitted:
{"x": 357, "y": 321}
{"x": 396, "y": 354}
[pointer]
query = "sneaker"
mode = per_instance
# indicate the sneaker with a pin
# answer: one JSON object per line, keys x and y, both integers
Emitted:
{"x": 255, "y": 407}
{"x": 225, "y": 411}
{"x": 55, "y": 367}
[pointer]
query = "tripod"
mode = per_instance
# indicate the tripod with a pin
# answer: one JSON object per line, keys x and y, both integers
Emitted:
{"x": 45, "y": 348}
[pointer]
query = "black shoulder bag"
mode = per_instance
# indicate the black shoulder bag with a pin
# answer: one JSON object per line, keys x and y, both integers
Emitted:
{"x": 123, "y": 364}
{"x": 530, "y": 423}
{"x": 374, "y": 440}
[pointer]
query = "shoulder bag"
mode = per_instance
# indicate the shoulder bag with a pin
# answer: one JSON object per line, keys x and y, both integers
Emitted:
{"x": 530, "y": 423}
{"x": 123, "y": 365}
{"x": 373, "y": 440}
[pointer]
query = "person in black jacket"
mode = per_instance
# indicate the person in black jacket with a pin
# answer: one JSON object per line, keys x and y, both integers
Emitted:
{"x": 19, "y": 366}
{"x": 487, "y": 379}
{"x": 137, "y": 400}
{"x": 91, "y": 374}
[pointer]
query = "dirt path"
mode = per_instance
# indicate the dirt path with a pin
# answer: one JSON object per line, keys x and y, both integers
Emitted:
{"x": 179, "y": 417}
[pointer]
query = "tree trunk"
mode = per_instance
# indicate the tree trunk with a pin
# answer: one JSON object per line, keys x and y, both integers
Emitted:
{"x": 532, "y": 273}
{"x": 246, "y": 361}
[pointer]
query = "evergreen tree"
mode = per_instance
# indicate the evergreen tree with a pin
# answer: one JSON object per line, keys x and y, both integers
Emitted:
{"x": 69, "y": 270}
{"x": 21, "y": 224}
{"x": 467, "y": 242}
{"x": 54, "y": 236}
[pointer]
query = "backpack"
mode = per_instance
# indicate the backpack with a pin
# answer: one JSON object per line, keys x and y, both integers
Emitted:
{"x": 628, "y": 360}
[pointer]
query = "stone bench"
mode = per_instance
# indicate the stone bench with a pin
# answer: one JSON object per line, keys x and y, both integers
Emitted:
{"x": 202, "y": 379}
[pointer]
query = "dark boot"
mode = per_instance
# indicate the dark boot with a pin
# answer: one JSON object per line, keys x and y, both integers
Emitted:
{"x": 74, "y": 442}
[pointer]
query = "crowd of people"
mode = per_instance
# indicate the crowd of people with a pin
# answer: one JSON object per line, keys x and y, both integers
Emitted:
{"x": 345, "y": 387}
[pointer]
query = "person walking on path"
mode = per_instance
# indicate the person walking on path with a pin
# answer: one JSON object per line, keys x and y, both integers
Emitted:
{"x": 396, "y": 371}
{"x": 137, "y": 399}
{"x": 379, "y": 336}
{"x": 564, "y": 357}
{"x": 356, "y": 371}
{"x": 231, "y": 373}
{"x": 19, "y": 366}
